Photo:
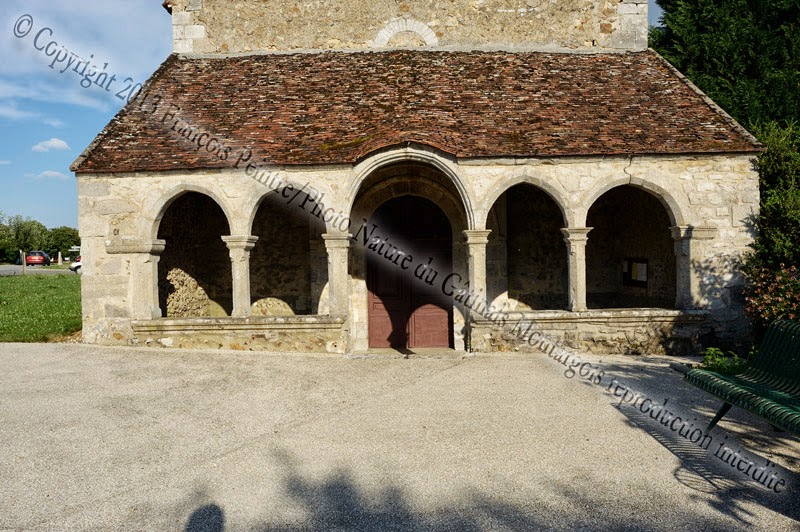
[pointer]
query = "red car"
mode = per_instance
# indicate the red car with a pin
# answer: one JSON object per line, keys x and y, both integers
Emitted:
{"x": 37, "y": 257}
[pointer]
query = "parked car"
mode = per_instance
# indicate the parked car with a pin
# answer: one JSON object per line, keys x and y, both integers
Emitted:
{"x": 76, "y": 265}
{"x": 37, "y": 257}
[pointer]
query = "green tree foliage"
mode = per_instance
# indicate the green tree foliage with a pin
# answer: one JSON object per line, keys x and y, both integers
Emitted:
{"x": 7, "y": 252}
{"x": 745, "y": 54}
{"x": 27, "y": 234}
{"x": 779, "y": 166}
{"x": 61, "y": 239}
{"x": 20, "y": 233}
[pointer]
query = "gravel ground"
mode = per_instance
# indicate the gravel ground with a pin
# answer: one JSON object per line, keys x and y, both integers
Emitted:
{"x": 147, "y": 439}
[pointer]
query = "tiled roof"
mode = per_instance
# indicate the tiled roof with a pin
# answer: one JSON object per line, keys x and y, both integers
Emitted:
{"x": 327, "y": 108}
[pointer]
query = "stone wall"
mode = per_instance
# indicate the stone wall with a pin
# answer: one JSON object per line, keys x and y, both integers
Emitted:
{"x": 224, "y": 26}
{"x": 708, "y": 199}
{"x": 623, "y": 331}
{"x": 280, "y": 263}
{"x": 629, "y": 223}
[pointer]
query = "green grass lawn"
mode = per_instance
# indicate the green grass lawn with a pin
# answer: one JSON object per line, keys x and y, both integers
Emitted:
{"x": 37, "y": 308}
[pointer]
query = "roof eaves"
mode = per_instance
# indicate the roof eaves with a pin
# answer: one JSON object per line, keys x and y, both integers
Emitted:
{"x": 76, "y": 165}
{"x": 757, "y": 146}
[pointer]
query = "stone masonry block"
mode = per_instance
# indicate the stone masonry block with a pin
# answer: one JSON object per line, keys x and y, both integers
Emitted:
{"x": 181, "y": 19}
{"x": 195, "y": 32}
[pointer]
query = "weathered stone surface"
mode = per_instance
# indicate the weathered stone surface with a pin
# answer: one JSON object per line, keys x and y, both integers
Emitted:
{"x": 630, "y": 332}
{"x": 285, "y": 334}
{"x": 710, "y": 252}
{"x": 270, "y": 306}
{"x": 251, "y": 25}
{"x": 187, "y": 299}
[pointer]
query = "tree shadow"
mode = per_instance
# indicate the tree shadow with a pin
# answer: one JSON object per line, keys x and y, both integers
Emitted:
{"x": 722, "y": 287}
{"x": 729, "y": 489}
{"x": 336, "y": 502}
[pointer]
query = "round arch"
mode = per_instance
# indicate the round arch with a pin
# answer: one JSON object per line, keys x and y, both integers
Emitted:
{"x": 162, "y": 205}
{"x": 535, "y": 181}
{"x": 410, "y": 155}
{"x": 671, "y": 205}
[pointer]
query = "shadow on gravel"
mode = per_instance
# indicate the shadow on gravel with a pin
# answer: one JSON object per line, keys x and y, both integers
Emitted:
{"x": 208, "y": 518}
{"x": 337, "y": 503}
{"x": 711, "y": 464}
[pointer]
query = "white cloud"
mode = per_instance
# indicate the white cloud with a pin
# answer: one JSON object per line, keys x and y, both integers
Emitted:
{"x": 52, "y": 144}
{"x": 54, "y": 122}
{"x": 133, "y": 38}
{"x": 11, "y": 112}
{"x": 48, "y": 174}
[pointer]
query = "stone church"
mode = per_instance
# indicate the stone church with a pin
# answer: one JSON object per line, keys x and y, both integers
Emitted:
{"x": 346, "y": 176}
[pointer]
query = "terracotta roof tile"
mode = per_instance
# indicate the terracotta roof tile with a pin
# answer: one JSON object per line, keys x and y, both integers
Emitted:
{"x": 327, "y": 108}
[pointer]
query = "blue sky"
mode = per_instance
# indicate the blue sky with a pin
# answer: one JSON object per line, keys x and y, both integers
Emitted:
{"x": 46, "y": 117}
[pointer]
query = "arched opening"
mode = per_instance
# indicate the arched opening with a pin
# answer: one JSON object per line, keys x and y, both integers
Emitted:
{"x": 425, "y": 189}
{"x": 630, "y": 259}
{"x": 281, "y": 264}
{"x": 526, "y": 255}
{"x": 408, "y": 256}
{"x": 194, "y": 272}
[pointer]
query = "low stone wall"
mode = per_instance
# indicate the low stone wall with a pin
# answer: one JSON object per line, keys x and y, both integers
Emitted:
{"x": 623, "y": 331}
{"x": 295, "y": 334}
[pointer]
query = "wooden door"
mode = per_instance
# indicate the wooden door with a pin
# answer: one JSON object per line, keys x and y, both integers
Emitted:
{"x": 404, "y": 311}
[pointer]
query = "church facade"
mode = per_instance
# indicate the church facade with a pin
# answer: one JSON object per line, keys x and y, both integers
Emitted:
{"x": 348, "y": 176}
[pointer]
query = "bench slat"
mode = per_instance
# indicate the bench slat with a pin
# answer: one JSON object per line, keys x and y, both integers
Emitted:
{"x": 770, "y": 387}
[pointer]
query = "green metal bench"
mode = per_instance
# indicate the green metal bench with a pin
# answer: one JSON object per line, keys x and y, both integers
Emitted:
{"x": 769, "y": 387}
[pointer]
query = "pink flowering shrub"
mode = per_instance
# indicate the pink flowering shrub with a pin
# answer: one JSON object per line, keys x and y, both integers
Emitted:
{"x": 772, "y": 293}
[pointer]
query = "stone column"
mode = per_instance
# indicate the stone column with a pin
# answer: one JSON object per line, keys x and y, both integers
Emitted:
{"x": 576, "y": 238}
{"x": 338, "y": 247}
{"x": 689, "y": 284}
{"x": 239, "y": 248}
{"x": 681, "y": 235}
{"x": 143, "y": 288}
{"x": 476, "y": 261}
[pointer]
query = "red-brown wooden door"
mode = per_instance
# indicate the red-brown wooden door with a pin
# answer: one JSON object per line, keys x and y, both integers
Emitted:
{"x": 404, "y": 311}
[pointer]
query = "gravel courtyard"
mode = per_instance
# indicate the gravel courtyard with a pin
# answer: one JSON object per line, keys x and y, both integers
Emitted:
{"x": 146, "y": 439}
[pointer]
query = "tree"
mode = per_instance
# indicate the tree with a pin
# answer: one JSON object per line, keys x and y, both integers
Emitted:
{"x": 745, "y": 54}
{"x": 7, "y": 252}
{"x": 27, "y": 234}
{"x": 61, "y": 239}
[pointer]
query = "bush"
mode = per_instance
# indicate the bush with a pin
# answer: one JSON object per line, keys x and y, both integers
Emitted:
{"x": 771, "y": 294}
{"x": 778, "y": 226}
{"x": 730, "y": 364}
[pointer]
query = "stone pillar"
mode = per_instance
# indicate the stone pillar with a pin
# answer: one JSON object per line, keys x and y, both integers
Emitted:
{"x": 338, "y": 246}
{"x": 683, "y": 263}
{"x": 143, "y": 287}
{"x": 687, "y": 238}
{"x": 576, "y": 238}
{"x": 476, "y": 260}
{"x": 239, "y": 248}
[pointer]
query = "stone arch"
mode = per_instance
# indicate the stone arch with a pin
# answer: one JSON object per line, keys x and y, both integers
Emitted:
{"x": 194, "y": 270}
{"x": 385, "y": 179}
{"x": 630, "y": 253}
{"x": 406, "y": 25}
{"x": 675, "y": 211}
{"x": 287, "y": 263}
{"x": 526, "y": 258}
{"x": 410, "y": 155}
{"x": 545, "y": 186}
{"x": 163, "y": 203}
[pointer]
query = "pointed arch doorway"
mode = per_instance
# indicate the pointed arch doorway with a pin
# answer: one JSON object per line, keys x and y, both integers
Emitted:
{"x": 406, "y": 307}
